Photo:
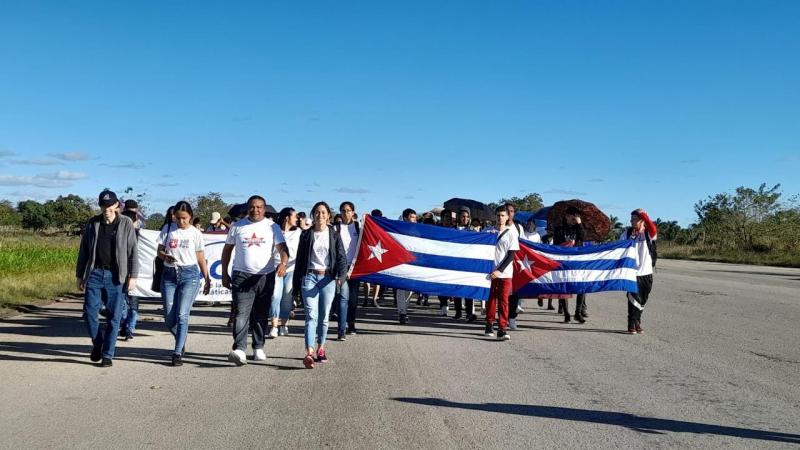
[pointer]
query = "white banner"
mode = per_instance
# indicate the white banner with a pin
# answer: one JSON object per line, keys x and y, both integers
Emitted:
{"x": 213, "y": 251}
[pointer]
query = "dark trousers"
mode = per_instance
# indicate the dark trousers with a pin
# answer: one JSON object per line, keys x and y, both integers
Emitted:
{"x": 513, "y": 302}
{"x": 444, "y": 301}
{"x": 645, "y": 284}
{"x": 252, "y": 295}
{"x": 352, "y": 300}
{"x": 580, "y": 304}
{"x": 457, "y": 302}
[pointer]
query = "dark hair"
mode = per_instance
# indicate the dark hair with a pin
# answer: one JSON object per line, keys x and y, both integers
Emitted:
{"x": 283, "y": 215}
{"x": 347, "y": 203}
{"x": 183, "y": 206}
{"x": 429, "y": 221}
{"x": 301, "y": 214}
{"x": 635, "y": 212}
{"x": 131, "y": 204}
{"x": 129, "y": 214}
{"x": 321, "y": 204}
{"x": 501, "y": 208}
{"x": 376, "y": 213}
{"x": 573, "y": 211}
{"x": 256, "y": 197}
{"x": 407, "y": 212}
{"x": 168, "y": 217}
{"x": 196, "y": 221}
{"x": 446, "y": 212}
{"x": 476, "y": 221}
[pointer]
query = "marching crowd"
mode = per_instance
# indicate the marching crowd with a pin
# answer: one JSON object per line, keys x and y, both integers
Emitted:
{"x": 267, "y": 262}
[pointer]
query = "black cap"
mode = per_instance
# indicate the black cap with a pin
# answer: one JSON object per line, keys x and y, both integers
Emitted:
{"x": 131, "y": 204}
{"x": 107, "y": 198}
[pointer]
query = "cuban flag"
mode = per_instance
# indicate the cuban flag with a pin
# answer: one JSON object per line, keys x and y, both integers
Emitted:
{"x": 425, "y": 258}
{"x": 541, "y": 269}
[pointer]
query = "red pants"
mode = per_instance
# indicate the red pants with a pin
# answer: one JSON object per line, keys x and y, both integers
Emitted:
{"x": 498, "y": 299}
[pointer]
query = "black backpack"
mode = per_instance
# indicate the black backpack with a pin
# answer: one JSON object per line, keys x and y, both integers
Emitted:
{"x": 651, "y": 245}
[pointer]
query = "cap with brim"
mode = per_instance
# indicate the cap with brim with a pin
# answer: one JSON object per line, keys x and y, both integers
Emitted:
{"x": 215, "y": 216}
{"x": 107, "y": 198}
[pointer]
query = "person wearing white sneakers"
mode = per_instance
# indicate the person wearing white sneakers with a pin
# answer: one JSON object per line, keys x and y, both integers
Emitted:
{"x": 282, "y": 296}
{"x": 253, "y": 279}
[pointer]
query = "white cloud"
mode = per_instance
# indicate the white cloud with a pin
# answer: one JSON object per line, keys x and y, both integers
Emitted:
{"x": 37, "y": 180}
{"x": 4, "y": 153}
{"x": 125, "y": 165}
{"x": 37, "y": 162}
{"x": 70, "y": 156}
{"x": 352, "y": 190}
{"x": 563, "y": 192}
{"x": 65, "y": 175}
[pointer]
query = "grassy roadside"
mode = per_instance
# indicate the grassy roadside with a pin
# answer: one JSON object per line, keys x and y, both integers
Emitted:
{"x": 35, "y": 268}
{"x": 672, "y": 251}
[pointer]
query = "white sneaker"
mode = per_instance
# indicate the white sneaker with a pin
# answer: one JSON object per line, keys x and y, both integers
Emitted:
{"x": 259, "y": 355}
{"x": 283, "y": 331}
{"x": 520, "y": 310}
{"x": 512, "y": 324}
{"x": 443, "y": 311}
{"x": 273, "y": 332}
{"x": 237, "y": 357}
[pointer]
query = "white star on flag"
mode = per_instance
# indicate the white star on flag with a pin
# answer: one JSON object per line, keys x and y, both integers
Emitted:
{"x": 376, "y": 251}
{"x": 525, "y": 265}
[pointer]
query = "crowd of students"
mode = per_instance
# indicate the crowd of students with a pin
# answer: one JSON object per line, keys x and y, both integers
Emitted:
{"x": 268, "y": 262}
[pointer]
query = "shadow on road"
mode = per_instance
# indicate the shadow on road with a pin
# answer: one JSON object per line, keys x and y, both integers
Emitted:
{"x": 633, "y": 422}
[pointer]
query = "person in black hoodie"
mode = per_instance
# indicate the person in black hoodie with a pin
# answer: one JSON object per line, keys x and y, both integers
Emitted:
{"x": 320, "y": 270}
{"x": 570, "y": 233}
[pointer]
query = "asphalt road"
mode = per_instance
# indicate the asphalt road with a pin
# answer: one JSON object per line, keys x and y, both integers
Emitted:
{"x": 718, "y": 366}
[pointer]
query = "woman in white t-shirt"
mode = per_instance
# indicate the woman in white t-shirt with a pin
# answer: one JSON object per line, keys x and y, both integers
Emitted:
{"x": 320, "y": 270}
{"x": 180, "y": 245}
{"x": 282, "y": 296}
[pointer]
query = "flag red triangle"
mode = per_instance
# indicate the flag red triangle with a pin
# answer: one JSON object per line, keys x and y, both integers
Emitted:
{"x": 378, "y": 250}
{"x": 530, "y": 265}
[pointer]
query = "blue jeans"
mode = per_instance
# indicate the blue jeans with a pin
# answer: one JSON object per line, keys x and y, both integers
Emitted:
{"x": 130, "y": 314}
{"x": 179, "y": 289}
{"x": 318, "y": 293}
{"x": 101, "y": 281}
{"x": 282, "y": 297}
{"x": 347, "y": 303}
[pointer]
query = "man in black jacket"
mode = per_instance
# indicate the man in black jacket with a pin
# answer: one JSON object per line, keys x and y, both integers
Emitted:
{"x": 107, "y": 265}
{"x": 570, "y": 233}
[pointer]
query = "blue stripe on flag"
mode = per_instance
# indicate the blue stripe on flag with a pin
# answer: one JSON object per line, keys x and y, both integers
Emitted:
{"x": 443, "y": 289}
{"x": 599, "y": 264}
{"x": 452, "y": 263}
{"x": 577, "y": 287}
{"x": 559, "y": 250}
{"x": 435, "y": 233}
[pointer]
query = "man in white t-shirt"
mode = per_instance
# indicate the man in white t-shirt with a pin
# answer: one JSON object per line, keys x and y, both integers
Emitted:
{"x": 253, "y": 280}
{"x": 347, "y": 298}
{"x": 504, "y": 250}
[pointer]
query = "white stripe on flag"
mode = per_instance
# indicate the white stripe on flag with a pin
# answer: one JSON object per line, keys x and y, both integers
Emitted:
{"x": 571, "y": 276}
{"x": 442, "y": 248}
{"x": 432, "y": 275}
{"x": 617, "y": 253}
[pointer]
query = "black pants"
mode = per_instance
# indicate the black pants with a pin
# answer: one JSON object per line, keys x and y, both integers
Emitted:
{"x": 352, "y": 300}
{"x": 580, "y": 304}
{"x": 513, "y": 303}
{"x": 645, "y": 284}
{"x": 252, "y": 295}
{"x": 457, "y": 301}
{"x": 443, "y": 301}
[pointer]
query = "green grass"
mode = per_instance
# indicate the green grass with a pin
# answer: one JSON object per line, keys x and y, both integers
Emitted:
{"x": 782, "y": 259}
{"x": 35, "y": 268}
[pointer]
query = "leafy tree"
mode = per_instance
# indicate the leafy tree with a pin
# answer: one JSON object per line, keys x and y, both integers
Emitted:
{"x": 68, "y": 212}
{"x": 34, "y": 215}
{"x": 530, "y": 202}
{"x": 204, "y": 205}
{"x": 737, "y": 219}
{"x": 154, "y": 221}
{"x": 9, "y": 215}
{"x": 668, "y": 230}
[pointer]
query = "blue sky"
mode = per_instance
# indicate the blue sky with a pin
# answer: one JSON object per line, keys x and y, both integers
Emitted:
{"x": 406, "y": 104}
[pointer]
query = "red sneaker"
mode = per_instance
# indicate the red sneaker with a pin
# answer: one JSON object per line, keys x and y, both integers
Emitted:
{"x": 639, "y": 327}
{"x": 308, "y": 361}
{"x": 321, "y": 356}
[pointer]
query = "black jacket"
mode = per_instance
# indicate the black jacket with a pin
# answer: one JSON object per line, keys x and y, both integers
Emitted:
{"x": 337, "y": 258}
{"x": 566, "y": 232}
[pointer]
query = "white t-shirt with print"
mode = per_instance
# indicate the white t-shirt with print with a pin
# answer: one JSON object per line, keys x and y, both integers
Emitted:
{"x": 506, "y": 241}
{"x": 320, "y": 250}
{"x": 181, "y": 244}
{"x": 643, "y": 253}
{"x": 350, "y": 240}
{"x": 254, "y": 243}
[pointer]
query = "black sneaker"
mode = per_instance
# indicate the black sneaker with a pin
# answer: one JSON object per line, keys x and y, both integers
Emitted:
{"x": 566, "y": 318}
{"x": 502, "y": 335}
{"x": 341, "y": 337}
{"x": 579, "y": 318}
{"x": 351, "y": 329}
{"x": 129, "y": 337}
{"x": 472, "y": 318}
{"x": 97, "y": 353}
{"x": 488, "y": 331}
{"x": 457, "y": 316}
{"x": 177, "y": 360}
{"x": 403, "y": 319}
{"x": 106, "y": 362}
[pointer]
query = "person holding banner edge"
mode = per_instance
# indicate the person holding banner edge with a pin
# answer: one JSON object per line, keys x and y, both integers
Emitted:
{"x": 505, "y": 248}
